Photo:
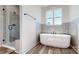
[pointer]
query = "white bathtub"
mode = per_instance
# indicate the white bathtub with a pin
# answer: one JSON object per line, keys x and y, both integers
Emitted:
{"x": 55, "y": 40}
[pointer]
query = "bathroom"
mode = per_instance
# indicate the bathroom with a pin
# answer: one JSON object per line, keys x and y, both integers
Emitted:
{"x": 40, "y": 29}
{"x": 65, "y": 26}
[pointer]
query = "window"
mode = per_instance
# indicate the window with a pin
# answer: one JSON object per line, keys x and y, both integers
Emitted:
{"x": 49, "y": 17}
{"x": 54, "y": 17}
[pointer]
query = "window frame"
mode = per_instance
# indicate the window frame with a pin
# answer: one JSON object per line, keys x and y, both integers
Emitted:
{"x": 53, "y": 19}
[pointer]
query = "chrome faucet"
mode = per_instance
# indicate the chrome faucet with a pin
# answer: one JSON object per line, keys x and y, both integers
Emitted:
{"x": 54, "y": 32}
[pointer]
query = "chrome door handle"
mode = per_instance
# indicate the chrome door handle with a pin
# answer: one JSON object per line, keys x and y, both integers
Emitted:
{"x": 10, "y": 27}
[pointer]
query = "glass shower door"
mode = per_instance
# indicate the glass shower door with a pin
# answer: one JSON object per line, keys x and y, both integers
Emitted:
{"x": 13, "y": 28}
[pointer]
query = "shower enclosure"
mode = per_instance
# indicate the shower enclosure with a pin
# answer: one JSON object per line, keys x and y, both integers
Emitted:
{"x": 11, "y": 25}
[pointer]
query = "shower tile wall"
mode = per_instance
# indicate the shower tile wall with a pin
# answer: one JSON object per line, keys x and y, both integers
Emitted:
{"x": 57, "y": 28}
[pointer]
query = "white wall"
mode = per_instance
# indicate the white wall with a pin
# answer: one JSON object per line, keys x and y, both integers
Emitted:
{"x": 28, "y": 27}
{"x": 74, "y": 25}
{"x": 74, "y": 12}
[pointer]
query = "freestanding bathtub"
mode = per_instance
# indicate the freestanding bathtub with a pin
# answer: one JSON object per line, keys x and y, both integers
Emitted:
{"x": 55, "y": 40}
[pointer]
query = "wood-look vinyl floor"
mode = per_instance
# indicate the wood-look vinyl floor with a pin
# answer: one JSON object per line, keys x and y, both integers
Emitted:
{"x": 42, "y": 49}
{"x": 4, "y": 50}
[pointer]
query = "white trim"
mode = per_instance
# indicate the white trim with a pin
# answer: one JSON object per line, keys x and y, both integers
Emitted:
{"x": 20, "y": 11}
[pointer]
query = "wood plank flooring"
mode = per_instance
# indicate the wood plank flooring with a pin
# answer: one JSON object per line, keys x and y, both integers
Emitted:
{"x": 42, "y": 49}
{"x": 4, "y": 50}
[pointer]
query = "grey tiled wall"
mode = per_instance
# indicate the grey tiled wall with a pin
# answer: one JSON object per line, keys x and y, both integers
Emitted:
{"x": 57, "y": 28}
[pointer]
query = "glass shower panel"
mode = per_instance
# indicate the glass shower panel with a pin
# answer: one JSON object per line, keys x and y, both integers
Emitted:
{"x": 13, "y": 27}
{"x": 4, "y": 25}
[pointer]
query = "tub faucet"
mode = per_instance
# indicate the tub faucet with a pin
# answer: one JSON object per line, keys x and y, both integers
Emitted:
{"x": 54, "y": 32}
